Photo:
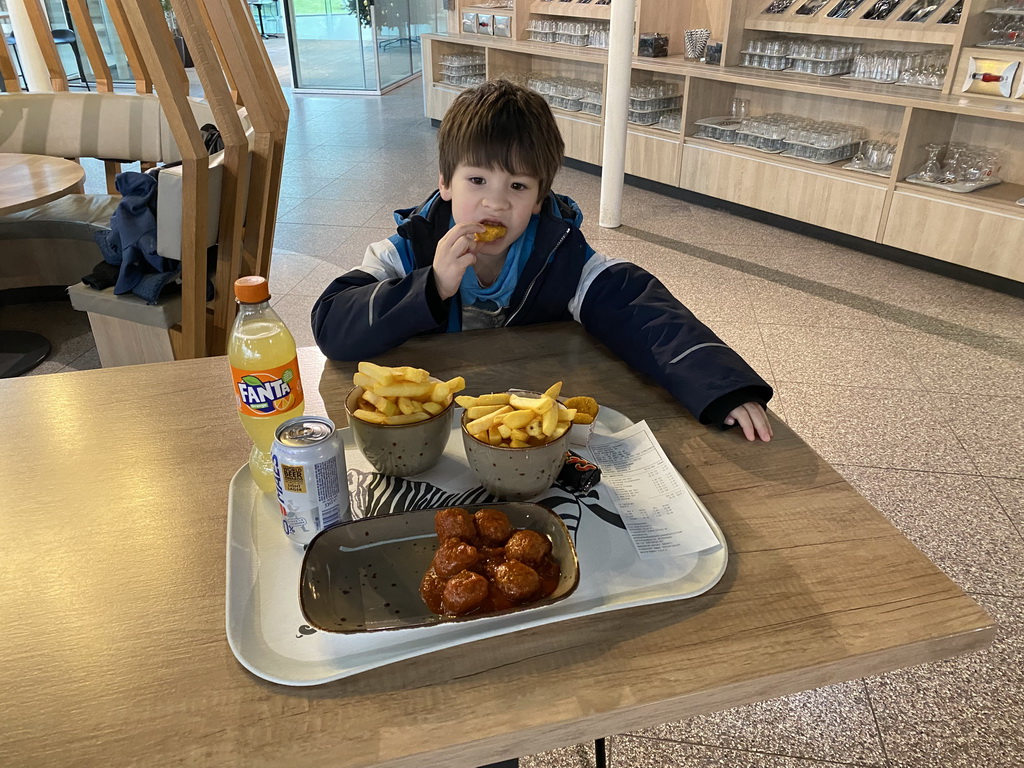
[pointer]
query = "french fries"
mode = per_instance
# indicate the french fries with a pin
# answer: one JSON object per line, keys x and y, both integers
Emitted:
{"x": 509, "y": 420}
{"x": 402, "y": 394}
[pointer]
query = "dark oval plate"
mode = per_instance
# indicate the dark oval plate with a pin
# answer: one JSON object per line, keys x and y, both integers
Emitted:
{"x": 364, "y": 575}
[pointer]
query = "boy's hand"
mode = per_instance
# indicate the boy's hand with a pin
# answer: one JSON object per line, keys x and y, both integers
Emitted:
{"x": 455, "y": 252}
{"x": 752, "y": 420}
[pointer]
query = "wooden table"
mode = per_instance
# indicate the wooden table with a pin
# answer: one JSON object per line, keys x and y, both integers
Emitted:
{"x": 112, "y": 563}
{"x": 30, "y": 180}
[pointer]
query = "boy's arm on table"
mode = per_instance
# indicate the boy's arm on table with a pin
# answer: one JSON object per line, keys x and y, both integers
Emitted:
{"x": 638, "y": 318}
{"x": 376, "y": 307}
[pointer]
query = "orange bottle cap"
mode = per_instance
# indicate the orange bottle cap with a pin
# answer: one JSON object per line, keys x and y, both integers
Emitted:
{"x": 252, "y": 289}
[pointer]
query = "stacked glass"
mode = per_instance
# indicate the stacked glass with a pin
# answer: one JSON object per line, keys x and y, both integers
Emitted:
{"x": 650, "y": 101}
{"x": 463, "y": 68}
{"x": 575, "y": 33}
{"x": 800, "y": 137}
{"x": 889, "y": 66}
{"x": 565, "y": 92}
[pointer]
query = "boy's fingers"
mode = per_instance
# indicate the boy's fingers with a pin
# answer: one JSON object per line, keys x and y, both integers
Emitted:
{"x": 761, "y": 423}
{"x": 745, "y": 422}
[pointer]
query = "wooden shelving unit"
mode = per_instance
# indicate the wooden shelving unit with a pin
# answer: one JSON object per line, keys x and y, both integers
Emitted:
{"x": 929, "y": 30}
{"x": 575, "y": 9}
{"x": 983, "y": 230}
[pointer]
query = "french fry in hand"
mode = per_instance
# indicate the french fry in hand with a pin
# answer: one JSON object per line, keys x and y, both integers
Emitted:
{"x": 402, "y": 394}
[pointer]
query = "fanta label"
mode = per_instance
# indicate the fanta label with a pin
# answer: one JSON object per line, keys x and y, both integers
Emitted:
{"x": 270, "y": 392}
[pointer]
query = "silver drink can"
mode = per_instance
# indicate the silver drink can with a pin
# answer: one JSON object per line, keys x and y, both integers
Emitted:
{"x": 309, "y": 469}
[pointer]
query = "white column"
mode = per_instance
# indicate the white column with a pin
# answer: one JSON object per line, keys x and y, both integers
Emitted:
{"x": 616, "y": 104}
{"x": 31, "y": 57}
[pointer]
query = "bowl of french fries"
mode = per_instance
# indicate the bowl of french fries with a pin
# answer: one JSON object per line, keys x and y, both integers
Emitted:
{"x": 401, "y": 417}
{"x": 516, "y": 441}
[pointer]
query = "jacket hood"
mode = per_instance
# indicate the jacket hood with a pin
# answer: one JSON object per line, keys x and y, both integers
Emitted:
{"x": 558, "y": 206}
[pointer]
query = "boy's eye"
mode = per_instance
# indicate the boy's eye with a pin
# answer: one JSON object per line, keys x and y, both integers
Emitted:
{"x": 475, "y": 180}
{"x": 519, "y": 186}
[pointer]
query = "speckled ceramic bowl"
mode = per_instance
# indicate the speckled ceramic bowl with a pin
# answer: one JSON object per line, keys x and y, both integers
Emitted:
{"x": 401, "y": 450}
{"x": 515, "y": 474}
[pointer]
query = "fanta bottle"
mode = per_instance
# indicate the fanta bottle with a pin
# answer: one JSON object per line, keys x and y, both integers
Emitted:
{"x": 265, "y": 372}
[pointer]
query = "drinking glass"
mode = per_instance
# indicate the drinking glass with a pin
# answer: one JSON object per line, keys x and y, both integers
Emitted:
{"x": 932, "y": 168}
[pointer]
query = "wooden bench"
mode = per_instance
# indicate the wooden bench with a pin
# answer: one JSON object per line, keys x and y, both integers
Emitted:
{"x": 228, "y": 198}
{"x": 53, "y": 244}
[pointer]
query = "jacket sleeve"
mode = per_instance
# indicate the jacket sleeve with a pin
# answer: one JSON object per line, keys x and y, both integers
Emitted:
{"x": 637, "y": 317}
{"x": 377, "y": 306}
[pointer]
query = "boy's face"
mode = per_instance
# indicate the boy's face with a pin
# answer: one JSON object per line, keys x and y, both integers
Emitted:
{"x": 492, "y": 196}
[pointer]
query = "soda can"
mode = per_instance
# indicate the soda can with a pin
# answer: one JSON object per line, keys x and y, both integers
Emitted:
{"x": 309, "y": 469}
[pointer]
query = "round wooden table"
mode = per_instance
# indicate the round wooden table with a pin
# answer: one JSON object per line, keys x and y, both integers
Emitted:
{"x": 30, "y": 180}
{"x": 25, "y": 182}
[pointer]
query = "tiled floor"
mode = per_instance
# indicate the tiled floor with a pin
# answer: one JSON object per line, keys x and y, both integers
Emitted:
{"x": 910, "y": 383}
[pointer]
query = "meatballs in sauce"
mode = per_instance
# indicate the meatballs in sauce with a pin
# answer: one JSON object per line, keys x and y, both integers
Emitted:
{"x": 483, "y": 564}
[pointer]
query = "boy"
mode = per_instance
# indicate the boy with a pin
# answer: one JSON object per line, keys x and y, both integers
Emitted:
{"x": 499, "y": 150}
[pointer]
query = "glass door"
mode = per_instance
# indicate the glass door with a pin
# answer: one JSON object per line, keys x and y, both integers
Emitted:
{"x": 329, "y": 41}
{"x": 364, "y": 46}
{"x": 395, "y": 41}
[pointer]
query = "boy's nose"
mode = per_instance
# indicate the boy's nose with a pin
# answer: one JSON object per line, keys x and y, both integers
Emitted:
{"x": 496, "y": 202}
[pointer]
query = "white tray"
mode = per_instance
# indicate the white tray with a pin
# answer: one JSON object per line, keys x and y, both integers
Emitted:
{"x": 795, "y": 156}
{"x": 883, "y": 174}
{"x": 867, "y": 80}
{"x": 267, "y": 632}
{"x": 961, "y": 187}
{"x": 727, "y": 122}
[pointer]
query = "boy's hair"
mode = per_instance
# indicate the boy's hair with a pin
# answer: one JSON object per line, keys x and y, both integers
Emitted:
{"x": 499, "y": 124}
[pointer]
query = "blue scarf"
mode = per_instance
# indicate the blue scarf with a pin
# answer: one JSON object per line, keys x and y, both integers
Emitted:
{"x": 500, "y": 291}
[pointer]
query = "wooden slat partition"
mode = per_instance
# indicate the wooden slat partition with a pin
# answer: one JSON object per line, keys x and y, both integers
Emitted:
{"x": 86, "y": 33}
{"x": 44, "y": 37}
{"x": 236, "y": 168}
{"x": 7, "y": 72}
{"x": 201, "y": 8}
{"x": 158, "y": 50}
{"x": 125, "y": 33}
{"x": 268, "y": 111}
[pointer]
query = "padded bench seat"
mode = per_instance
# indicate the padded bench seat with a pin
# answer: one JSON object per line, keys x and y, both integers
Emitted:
{"x": 53, "y": 244}
{"x": 127, "y": 329}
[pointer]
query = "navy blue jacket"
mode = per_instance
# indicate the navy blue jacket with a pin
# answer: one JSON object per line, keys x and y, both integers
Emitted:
{"x": 392, "y": 297}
